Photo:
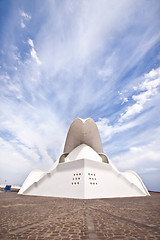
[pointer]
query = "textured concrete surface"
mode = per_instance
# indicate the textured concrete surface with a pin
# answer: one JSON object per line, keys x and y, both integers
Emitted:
{"x": 27, "y": 217}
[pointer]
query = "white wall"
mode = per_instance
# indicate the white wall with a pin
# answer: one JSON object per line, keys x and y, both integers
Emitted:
{"x": 110, "y": 183}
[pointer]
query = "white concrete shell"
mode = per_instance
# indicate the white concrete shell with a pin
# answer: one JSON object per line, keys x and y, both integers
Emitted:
{"x": 83, "y": 131}
{"x": 34, "y": 176}
{"x": 83, "y": 170}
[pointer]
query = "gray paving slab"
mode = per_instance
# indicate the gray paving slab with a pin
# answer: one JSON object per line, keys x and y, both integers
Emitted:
{"x": 30, "y": 217}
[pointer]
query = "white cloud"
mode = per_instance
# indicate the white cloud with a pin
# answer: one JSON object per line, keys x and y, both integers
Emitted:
{"x": 35, "y": 131}
{"x": 131, "y": 111}
{"x": 124, "y": 101}
{"x": 34, "y": 55}
{"x": 149, "y": 170}
{"x": 107, "y": 130}
{"x": 123, "y": 98}
{"x": 153, "y": 74}
{"x": 30, "y": 41}
{"x": 14, "y": 166}
{"x": 4, "y": 77}
{"x": 105, "y": 74}
{"x": 89, "y": 31}
{"x": 33, "y": 51}
{"x": 149, "y": 88}
{"x": 139, "y": 158}
{"x": 22, "y": 24}
{"x": 25, "y": 15}
{"x": 24, "y": 18}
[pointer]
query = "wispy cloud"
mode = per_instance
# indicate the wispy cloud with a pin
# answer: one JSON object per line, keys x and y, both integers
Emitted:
{"x": 25, "y": 15}
{"x": 24, "y": 18}
{"x": 33, "y": 51}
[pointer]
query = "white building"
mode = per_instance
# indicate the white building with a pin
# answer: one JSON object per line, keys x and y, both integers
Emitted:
{"x": 83, "y": 170}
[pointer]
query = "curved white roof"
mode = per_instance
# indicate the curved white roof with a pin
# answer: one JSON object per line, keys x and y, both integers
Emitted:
{"x": 34, "y": 176}
{"x": 83, "y": 152}
{"x": 83, "y": 132}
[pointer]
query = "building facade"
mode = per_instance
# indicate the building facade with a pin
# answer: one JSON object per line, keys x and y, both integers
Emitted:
{"x": 83, "y": 170}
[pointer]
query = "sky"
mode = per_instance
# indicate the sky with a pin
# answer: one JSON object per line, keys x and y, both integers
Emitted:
{"x": 60, "y": 60}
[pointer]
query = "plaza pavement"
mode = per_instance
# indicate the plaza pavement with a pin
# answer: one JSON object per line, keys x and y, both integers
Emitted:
{"x": 29, "y": 217}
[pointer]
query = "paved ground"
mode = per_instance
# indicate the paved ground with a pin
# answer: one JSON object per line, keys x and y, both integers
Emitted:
{"x": 26, "y": 217}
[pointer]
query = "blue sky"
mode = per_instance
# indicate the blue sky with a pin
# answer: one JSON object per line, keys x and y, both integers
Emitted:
{"x": 60, "y": 60}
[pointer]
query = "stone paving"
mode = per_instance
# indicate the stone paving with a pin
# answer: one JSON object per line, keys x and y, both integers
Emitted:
{"x": 28, "y": 217}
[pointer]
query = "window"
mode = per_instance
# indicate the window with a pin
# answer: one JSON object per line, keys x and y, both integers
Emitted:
{"x": 76, "y": 178}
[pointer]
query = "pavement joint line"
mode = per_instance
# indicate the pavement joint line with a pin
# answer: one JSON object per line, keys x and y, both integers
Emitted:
{"x": 91, "y": 228}
{"x": 126, "y": 219}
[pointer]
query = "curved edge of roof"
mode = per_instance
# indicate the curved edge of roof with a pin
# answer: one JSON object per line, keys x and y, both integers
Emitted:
{"x": 83, "y": 131}
{"x": 83, "y": 120}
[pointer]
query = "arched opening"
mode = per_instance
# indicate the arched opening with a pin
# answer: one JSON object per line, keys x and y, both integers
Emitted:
{"x": 62, "y": 157}
{"x": 104, "y": 158}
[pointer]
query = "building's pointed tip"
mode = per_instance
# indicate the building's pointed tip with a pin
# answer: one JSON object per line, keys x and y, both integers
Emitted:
{"x": 83, "y": 119}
